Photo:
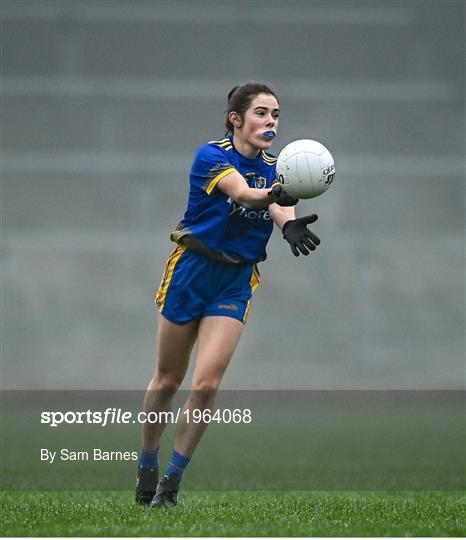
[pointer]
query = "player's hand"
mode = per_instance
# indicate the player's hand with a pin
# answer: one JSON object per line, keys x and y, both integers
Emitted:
{"x": 281, "y": 197}
{"x": 300, "y": 238}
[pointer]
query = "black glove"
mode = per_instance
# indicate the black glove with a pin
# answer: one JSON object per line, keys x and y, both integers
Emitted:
{"x": 281, "y": 197}
{"x": 299, "y": 236}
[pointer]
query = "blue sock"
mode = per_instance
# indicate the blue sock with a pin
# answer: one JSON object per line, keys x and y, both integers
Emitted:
{"x": 177, "y": 465}
{"x": 149, "y": 460}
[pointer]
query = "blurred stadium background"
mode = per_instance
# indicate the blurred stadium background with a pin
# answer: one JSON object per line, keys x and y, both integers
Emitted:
{"x": 103, "y": 106}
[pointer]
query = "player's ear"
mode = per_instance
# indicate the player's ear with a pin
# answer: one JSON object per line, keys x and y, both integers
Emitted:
{"x": 235, "y": 119}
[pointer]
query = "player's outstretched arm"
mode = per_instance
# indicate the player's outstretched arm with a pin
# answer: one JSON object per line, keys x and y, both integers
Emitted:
{"x": 236, "y": 187}
{"x": 281, "y": 214}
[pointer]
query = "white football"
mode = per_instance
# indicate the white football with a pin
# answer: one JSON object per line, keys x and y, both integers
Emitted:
{"x": 305, "y": 168}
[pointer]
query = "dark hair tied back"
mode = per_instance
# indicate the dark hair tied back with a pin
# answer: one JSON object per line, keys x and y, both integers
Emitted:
{"x": 240, "y": 97}
{"x": 232, "y": 91}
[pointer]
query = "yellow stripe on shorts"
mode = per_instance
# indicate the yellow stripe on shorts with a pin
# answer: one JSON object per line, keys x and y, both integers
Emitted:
{"x": 255, "y": 280}
{"x": 174, "y": 257}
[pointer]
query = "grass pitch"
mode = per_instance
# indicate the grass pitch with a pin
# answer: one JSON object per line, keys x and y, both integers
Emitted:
{"x": 252, "y": 513}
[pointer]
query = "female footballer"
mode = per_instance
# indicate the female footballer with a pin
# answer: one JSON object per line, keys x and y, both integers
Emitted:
{"x": 210, "y": 277}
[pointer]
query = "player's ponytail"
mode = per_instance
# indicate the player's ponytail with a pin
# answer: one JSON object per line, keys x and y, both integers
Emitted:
{"x": 240, "y": 97}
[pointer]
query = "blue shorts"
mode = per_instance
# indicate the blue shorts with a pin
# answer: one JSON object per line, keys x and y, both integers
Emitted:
{"x": 194, "y": 286}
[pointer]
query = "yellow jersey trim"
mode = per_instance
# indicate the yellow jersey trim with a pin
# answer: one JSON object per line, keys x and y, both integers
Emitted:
{"x": 223, "y": 143}
{"x": 162, "y": 291}
{"x": 220, "y": 141}
{"x": 270, "y": 160}
{"x": 217, "y": 179}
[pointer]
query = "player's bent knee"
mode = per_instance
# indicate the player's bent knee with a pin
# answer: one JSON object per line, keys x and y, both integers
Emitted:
{"x": 166, "y": 384}
{"x": 205, "y": 389}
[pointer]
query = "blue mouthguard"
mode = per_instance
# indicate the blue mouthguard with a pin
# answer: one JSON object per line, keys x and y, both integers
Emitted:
{"x": 269, "y": 134}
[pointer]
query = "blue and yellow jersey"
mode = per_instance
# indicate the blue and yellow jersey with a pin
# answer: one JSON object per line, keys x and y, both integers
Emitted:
{"x": 213, "y": 223}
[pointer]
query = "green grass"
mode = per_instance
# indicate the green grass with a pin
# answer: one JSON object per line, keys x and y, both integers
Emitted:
{"x": 233, "y": 513}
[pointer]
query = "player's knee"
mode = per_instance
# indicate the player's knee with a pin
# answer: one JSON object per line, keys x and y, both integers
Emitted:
{"x": 205, "y": 390}
{"x": 166, "y": 383}
{"x": 209, "y": 384}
